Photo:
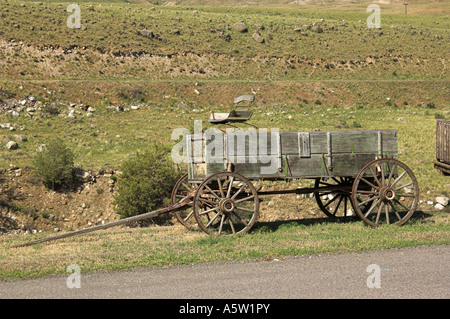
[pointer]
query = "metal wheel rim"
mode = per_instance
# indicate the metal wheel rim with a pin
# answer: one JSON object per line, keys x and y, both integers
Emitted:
{"x": 389, "y": 191}
{"x": 226, "y": 203}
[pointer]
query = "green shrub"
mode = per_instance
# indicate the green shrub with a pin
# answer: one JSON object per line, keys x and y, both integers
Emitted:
{"x": 54, "y": 165}
{"x": 146, "y": 183}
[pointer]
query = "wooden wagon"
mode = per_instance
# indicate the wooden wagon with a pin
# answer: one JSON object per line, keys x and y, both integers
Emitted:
{"x": 442, "y": 162}
{"x": 355, "y": 172}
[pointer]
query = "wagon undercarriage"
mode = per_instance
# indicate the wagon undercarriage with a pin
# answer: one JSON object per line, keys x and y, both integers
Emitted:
{"x": 385, "y": 191}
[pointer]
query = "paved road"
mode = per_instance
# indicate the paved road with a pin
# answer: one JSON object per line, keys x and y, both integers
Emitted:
{"x": 402, "y": 273}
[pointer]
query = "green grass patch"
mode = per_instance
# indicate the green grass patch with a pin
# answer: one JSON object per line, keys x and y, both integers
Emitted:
{"x": 173, "y": 246}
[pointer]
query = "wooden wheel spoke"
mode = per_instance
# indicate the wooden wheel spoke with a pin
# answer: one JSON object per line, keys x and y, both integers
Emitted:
{"x": 367, "y": 201}
{"x": 208, "y": 210}
{"x": 407, "y": 209}
{"x": 391, "y": 173}
{"x": 386, "y": 209}
{"x": 221, "y": 224}
{"x": 403, "y": 186}
{"x": 375, "y": 177}
{"x": 331, "y": 200}
{"x": 240, "y": 219}
{"x": 407, "y": 195}
{"x": 244, "y": 199}
{"x": 220, "y": 187}
{"x": 188, "y": 215}
{"x": 395, "y": 211}
{"x": 369, "y": 183}
{"x": 379, "y": 212}
{"x": 212, "y": 220}
{"x": 398, "y": 178}
{"x": 231, "y": 225}
{"x": 230, "y": 186}
{"x": 345, "y": 205}
{"x": 245, "y": 209}
{"x": 372, "y": 207}
{"x": 204, "y": 200}
{"x": 212, "y": 192}
{"x": 235, "y": 194}
{"x": 338, "y": 204}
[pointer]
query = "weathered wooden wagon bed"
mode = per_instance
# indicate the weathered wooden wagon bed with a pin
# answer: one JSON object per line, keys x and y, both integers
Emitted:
{"x": 354, "y": 172}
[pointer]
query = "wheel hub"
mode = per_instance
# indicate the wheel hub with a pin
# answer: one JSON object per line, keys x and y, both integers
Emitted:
{"x": 387, "y": 194}
{"x": 226, "y": 205}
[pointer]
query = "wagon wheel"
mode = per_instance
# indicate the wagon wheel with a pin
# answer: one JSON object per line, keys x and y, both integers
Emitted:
{"x": 335, "y": 203}
{"x": 181, "y": 190}
{"x": 226, "y": 203}
{"x": 389, "y": 190}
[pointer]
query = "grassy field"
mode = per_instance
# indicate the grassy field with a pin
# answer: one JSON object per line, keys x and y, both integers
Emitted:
{"x": 347, "y": 77}
{"x": 190, "y": 42}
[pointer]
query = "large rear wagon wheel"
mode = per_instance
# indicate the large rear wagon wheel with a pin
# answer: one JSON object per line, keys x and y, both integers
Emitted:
{"x": 387, "y": 190}
{"x": 226, "y": 203}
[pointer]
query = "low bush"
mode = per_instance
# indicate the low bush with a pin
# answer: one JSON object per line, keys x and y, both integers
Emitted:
{"x": 146, "y": 183}
{"x": 54, "y": 165}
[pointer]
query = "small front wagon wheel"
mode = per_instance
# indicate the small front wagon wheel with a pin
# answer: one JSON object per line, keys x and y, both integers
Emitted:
{"x": 181, "y": 190}
{"x": 385, "y": 191}
{"x": 226, "y": 203}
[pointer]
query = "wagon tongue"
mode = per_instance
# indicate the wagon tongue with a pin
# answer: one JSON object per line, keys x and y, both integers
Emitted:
{"x": 172, "y": 208}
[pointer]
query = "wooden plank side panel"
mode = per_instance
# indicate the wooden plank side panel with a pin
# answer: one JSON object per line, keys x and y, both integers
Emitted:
{"x": 443, "y": 141}
{"x": 265, "y": 167}
{"x": 292, "y": 154}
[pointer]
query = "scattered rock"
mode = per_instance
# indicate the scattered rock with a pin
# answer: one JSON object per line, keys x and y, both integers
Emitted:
{"x": 20, "y": 138}
{"x": 82, "y": 175}
{"x": 11, "y": 145}
{"x": 317, "y": 29}
{"x": 146, "y": 33}
{"x": 41, "y": 148}
{"x": 443, "y": 200}
{"x": 439, "y": 206}
{"x": 258, "y": 38}
{"x": 240, "y": 26}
